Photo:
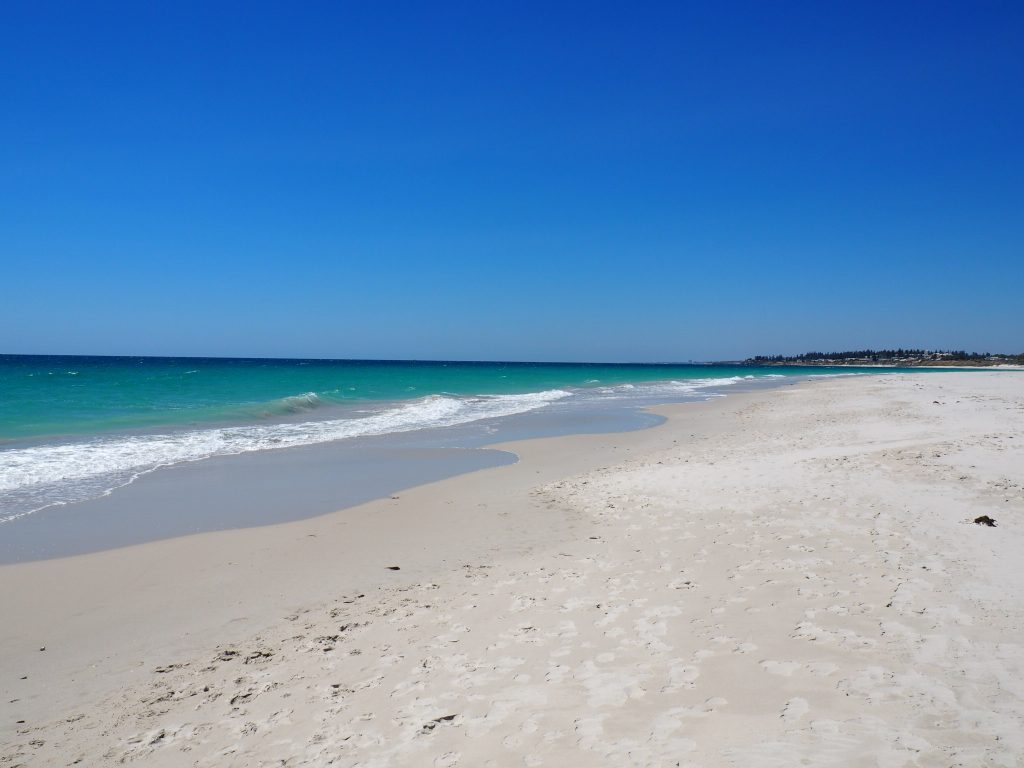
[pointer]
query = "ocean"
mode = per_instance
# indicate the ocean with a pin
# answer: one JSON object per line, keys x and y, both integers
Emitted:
{"x": 74, "y": 429}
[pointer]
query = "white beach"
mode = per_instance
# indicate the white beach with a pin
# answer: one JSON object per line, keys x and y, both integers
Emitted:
{"x": 776, "y": 578}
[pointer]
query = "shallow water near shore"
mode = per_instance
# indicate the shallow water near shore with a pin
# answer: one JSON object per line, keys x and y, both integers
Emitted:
{"x": 73, "y": 494}
{"x": 75, "y": 429}
{"x": 276, "y": 486}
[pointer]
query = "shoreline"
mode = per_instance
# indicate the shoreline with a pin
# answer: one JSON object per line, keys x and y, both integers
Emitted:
{"x": 250, "y": 489}
{"x": 113, "y": 620}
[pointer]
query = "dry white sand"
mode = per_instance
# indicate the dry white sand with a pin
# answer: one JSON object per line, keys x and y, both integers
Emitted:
{"x": 781, "y": 578}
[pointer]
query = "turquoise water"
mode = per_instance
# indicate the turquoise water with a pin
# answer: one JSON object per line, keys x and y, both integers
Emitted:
{"x": 48, "y": 396}
{"x": 77, "y": 428}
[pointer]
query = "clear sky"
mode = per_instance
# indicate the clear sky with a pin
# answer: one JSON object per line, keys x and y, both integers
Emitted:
{"x": 560, "y": 181}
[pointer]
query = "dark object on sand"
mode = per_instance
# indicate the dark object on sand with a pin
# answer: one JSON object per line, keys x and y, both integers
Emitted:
{"x": 985, "y": 520}
{"x": 428, "y": 727}
{"x": 394, "y": 568}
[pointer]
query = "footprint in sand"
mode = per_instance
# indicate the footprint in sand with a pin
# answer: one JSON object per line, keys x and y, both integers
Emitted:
{"x": 680, "y": 675}
{"x": 795, "y": 709}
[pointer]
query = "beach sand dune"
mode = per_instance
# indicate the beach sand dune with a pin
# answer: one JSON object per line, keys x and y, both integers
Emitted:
{"x": 781, "y": 578}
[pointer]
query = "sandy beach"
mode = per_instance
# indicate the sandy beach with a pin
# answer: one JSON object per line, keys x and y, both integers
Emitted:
{"x": 775, "y": 578}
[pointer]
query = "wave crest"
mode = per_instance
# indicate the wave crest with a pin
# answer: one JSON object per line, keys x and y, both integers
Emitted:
{"x": 307, "y": 401}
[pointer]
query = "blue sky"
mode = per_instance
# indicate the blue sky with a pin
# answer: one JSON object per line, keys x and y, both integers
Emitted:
{"x": 591, "y": 181}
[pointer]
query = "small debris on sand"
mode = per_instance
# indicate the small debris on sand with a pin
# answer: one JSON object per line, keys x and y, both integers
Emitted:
{"x": 428, "y": 727}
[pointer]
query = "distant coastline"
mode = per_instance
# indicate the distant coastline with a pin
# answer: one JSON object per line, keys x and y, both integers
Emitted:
{"x": 892, "y": 358}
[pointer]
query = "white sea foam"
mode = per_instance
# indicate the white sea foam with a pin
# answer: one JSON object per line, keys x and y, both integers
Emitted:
{"x": 668, "y": 388}
{"x": 39, "y": 476}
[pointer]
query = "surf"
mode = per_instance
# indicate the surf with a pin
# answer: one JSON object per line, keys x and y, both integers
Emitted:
{"x": 34, "y": 477}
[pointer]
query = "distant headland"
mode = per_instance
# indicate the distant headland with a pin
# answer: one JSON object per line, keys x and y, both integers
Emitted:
{"x": 892, "y": 357}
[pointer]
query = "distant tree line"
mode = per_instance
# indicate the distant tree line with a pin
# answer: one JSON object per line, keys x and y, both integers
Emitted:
{"x": 884, "y": 355}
